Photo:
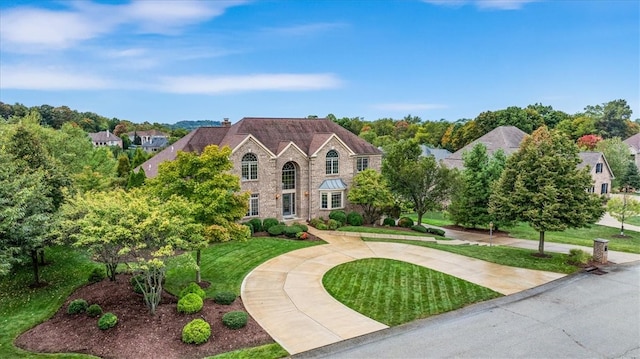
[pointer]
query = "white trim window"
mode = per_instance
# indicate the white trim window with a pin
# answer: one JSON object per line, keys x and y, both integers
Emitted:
{"x": 332, "y": 162}
{"x": 254, "y": 205}
{"x": 332, "y": 200}
{"x": 249, "y": 167}
{"x": 362, "y": 163}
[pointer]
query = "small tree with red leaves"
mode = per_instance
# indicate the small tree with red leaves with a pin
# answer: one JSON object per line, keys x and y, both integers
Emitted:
{"x": 588, "y": 142}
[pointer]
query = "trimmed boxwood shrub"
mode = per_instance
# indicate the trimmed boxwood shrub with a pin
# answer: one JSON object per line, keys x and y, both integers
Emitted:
{"x": 322, "y": 226}
{"x": 405, "y": 222}
{"x": 389, "y": 222}
{"x": 235, "y": 320}
{"x": 190, "y": 303}
{"x": 419, "y": 228}
{"x": 257, "y": 224}
{"x": 249, "y": 225}
{"x": 77, "y": 306}
{"x": 192, "y": 287}
{"x": 97, "y": 275}
{"x": 292, "y": 231}
{"x": 107, "y": 320}
{"x": 355, "y": 219}
{"x": 224, "y": 298}
{"x": 277, "y": 230}
{"x": 436, "y": 231}
{"x": 94, "y": 310}
{"x": 339, "y": 216}
{"x": 303, "y": 227}
{"x": 314, "y": 222}
{"x": 333, "y": 224}
{"x": 268, "y": 223}
{"x": 196, "y": 332}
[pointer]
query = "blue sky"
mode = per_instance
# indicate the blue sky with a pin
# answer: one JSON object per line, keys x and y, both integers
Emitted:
{"x": 166, "y": 61}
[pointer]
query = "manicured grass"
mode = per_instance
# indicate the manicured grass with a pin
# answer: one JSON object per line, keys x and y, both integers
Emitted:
{"x": 514, "y": 257}
{"x": 265, "y": 351}
{"x": 387, "y": 230}
{"x": 394, "y": 292}
{"x": 582, "y": 236}
{"x": 225, "y": 265}
{"x": 22, "y": 307}
{"x": 633, "y": 221}
{"x": 437, "y": 218}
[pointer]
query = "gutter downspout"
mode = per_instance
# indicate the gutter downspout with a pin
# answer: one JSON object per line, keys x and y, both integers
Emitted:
{"x": 309, "y": 198}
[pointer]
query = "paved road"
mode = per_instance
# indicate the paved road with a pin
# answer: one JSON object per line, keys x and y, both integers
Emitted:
{"x": 579, "y": 316}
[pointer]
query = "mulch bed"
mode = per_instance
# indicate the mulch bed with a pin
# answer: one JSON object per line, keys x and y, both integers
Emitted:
{"x": 138, "y": 334}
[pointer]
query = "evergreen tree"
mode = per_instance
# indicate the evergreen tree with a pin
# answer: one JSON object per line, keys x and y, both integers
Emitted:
{"x": 124, "y": 166}
{"x": 631, "y": 177}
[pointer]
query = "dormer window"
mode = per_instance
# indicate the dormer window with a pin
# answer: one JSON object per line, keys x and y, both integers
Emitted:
{"x": 332, "y": 162}
{"x": 249, "y": 167}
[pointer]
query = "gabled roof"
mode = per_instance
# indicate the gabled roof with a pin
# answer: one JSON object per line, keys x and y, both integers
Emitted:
{"x": 275, "y": 134}
{"x": 103, "y": 136}
{"x": 154, "y": 132}
{"x": 506, "y": 138}
{"x": 634, "y": 142}
{"x": 156, "y": 142}
{"x": 591, "y": 159}
{"x": 437, "y": 153}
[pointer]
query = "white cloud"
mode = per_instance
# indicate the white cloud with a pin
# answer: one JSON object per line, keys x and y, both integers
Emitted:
{"x": 305, "y": 29}
{"x": 26, "y": 78}
{"x": 404, "y": 107}
{"x": 244, "y": 83}
{"x": 483, "y": 4}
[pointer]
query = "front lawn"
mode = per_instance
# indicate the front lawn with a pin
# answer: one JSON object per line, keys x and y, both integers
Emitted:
{"x": 437, "y": 218}
{"x": 514, "y": 257}
{"x": 394, "y": 292}
{"x": 387, "y": 230}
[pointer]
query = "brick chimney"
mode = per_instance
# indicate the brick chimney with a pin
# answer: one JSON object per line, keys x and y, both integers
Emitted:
{"x": 226, "y": 122}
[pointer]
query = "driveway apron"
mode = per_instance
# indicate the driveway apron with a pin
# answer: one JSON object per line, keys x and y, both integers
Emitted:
{"x": 286, "y": 297}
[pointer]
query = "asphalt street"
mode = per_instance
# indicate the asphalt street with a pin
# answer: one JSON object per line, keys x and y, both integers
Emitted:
{"x": 580, "y": 316}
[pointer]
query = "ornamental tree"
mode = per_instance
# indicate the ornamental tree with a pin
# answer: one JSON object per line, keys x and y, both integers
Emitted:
{"x": 370, "y": 191}
{"x": 623, "y": 209}
{"x": 542, "y": 186}
{"x": 588, "y": 142}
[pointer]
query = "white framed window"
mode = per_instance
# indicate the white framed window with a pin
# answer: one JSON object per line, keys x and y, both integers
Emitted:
{"x": 249, "y": 167}
{"x": 254, "y": 202}
{"x": 332, "y": 200}
{"x": 289, "y": 176}
{"x": 332, "y": 162}
{"x": 362, "y": 163}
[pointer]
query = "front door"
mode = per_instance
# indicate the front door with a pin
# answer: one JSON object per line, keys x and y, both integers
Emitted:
{"x": 288, "y": 204}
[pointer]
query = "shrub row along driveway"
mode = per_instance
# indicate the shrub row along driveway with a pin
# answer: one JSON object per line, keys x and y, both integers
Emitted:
{"x": 286, "y": 296}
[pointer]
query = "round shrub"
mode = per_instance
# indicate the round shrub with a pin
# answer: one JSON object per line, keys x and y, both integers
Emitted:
{"x": 355, "y": 219}
{"x": 94, "y": 310}
{"x": 291, "y": 231}
{"x": 322, "y": 226}
{"x": 257, "y": 224}
{"x": 250, "y": 226}
{"x": 224, "y": 298}
{"x": 314, "y": 222}
{"x": 436, "y": 231}
{"x": 419, "y": 228}
{"x": 97, "y": 275}
{"x": 389, "y": 222}
{"x": 235, "y": 320}
{"x": 192, "y": 287}
{"x": 137, "y": 282}
{"x": 332, "y": 224}
{"x": 339, "y": 216}
{"x": 107, "y": 320}
{"x": 77, "y": 306}
{"x": 268, "y": 223}
{"x": 190, "y": 303}
{"x": 303, "y": 227}
{"x": 405, "y": 222}
{"x": 277, "y": 230}
{"x": 196, "y": 332}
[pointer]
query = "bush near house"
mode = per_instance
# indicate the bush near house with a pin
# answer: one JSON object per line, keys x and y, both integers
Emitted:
{"x": 355, "y": 219}
{"x": 256, "y": 223}
{"x": 268, "y": 223}
{"x": 339, "y": 216}
{"x": 405, "y": 222}
{"x": 389, "y": 222}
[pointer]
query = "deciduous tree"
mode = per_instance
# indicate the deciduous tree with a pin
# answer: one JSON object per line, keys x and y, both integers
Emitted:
{"x": 371, "y": 192}
{"x": 623, "y": 208}
{"x": 617, "y": 154}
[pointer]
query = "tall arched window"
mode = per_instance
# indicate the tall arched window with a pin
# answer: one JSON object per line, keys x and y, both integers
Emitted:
{"x": 249, "y": 167}
{"x": 289, "y": 176}
{"x": 332, "y": 162}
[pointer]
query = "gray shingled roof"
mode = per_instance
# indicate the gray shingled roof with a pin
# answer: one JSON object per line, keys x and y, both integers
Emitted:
{"x": 273, "y": 133}
{"x": 103, "y": 136}
{"x": 634, "y": 142}
{"x": 437, "y": 153}
{"x": 591, "y": 159}
{"x": 506, "y": 138}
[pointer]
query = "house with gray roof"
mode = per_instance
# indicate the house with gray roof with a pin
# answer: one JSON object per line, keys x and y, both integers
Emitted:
{"x": 293, "y": 167}
{"x": 105, "y": 138}
{"x": 437, "y": 153}
{"x": 600, "y": 171}
{"x": 634, "y": 148}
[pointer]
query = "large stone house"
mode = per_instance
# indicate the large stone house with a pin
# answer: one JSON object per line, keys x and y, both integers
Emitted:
{"x": 151, "y": 140}
{"x": 105, "y": 138}
{"x": 508, "y": 138}
{"x": 294, "y": 168}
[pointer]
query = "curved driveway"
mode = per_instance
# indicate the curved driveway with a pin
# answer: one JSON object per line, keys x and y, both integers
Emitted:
{"x": 286, "y": 297}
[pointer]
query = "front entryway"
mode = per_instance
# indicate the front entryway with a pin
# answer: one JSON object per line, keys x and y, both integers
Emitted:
{"x": 288, "y": 204}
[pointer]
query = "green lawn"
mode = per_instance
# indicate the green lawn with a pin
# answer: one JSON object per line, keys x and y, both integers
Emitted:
{"x": 387, "y": 230}
{"x": 265, "y": 351}
{"x": 394, "y": 292}
{"x": 437, "y": 218}
{"x": 633, "y": 221}
{"x": 514, "y": 257}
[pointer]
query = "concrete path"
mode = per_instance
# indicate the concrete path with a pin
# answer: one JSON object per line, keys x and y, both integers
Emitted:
{"x": 286, "y": 296}
{"x": 609, "y": 221}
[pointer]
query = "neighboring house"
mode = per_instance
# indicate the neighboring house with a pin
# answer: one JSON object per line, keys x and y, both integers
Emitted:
{"x": 293, "y": 168}
{"x": 506, "y": 138}
{"x": 105, "y": 138}
{"x": 151, "y": 140}
{"x": 634, "y": 148}
{"x": 600, "y": 171}
{"x": 437, "y": 153}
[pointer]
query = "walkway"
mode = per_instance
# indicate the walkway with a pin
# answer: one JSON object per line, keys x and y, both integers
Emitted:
{"x": 286, "y": 296}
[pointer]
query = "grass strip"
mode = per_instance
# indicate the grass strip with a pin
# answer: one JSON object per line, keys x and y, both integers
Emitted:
{"x": 388, "y": 230}
{"x": 270, "y": 351}
{"x": 394, "y": 292}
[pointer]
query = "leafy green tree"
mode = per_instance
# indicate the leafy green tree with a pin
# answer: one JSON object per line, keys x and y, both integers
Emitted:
{"x": 417, "y": 179}
{"x": 623, "y": 208}
{"x": 631, "y": 178}
{"x": 136, "y": 179}
{"x": 470, "y": 202}
{"x": 611, "y": 118}
{"x": 542, "y": 186}
{"x": 139, "y": 158}
{"x": 124, "y": 166}
{"x": 370, "y": 191}
{"x": 617, "y": 154}
{"x": 204, "y": 181}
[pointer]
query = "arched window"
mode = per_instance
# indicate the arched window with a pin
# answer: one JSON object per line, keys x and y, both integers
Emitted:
{"x": 289, "y": 176}
{"x": 249, "y": 167}
{"x": 332, "y": 162}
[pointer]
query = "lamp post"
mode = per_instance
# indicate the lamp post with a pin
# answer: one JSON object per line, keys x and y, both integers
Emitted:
{"x": 490, "y": 233}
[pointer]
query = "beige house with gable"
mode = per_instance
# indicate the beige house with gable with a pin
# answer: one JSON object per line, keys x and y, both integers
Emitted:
{"x": 294, "y": 168}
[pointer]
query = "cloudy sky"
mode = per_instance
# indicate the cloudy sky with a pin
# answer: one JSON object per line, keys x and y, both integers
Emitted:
{"x": 166, "y": 61}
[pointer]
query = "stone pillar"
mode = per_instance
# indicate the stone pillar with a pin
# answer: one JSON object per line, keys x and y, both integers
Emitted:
{"x": 600, "y": 250}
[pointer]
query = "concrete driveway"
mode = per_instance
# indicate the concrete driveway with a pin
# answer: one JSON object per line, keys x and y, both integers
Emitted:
{"x": 286, "y": 296}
